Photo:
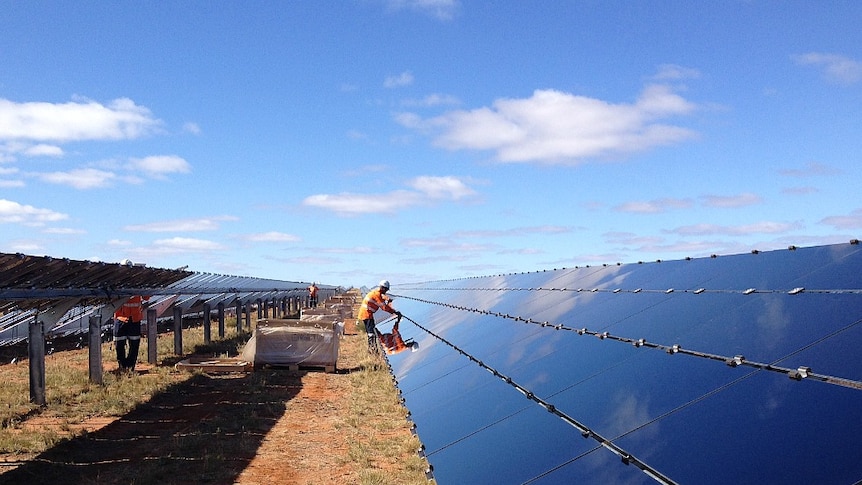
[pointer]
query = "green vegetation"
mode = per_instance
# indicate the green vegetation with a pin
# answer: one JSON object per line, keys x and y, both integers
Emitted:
{"x": 216, "y": 423}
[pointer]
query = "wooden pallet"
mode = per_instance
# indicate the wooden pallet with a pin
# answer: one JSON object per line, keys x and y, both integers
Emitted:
{"x": 329, "y": 369}
{"x": 214, "y": 364}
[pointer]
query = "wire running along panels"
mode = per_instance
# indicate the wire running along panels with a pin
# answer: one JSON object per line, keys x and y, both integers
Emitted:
{"x": 730, "y": 369}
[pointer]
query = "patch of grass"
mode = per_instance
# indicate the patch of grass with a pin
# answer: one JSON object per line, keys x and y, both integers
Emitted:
{"x": 72, "y": 399}
{"x": 220, "y": 436}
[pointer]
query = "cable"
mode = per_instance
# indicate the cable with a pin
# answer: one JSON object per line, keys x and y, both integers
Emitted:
{"x": 799, "y": 373}
{"x": 585, "y": 431}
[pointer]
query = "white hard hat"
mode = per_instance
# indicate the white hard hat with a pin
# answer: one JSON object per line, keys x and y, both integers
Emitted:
{"x": 384, "y": 283}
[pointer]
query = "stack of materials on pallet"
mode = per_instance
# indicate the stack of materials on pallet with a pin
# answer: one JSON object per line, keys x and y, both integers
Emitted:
{"x": 310, "y": 341}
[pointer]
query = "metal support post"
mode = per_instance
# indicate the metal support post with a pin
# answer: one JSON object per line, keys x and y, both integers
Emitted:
{"x": 152, "y": 337}
{"x": 220, "y": 308}
{"x": 178, "y": 330}
{"x": 207, "y": 324}
{"x": 95, "y": 348}
{"x": 36, "y": 350}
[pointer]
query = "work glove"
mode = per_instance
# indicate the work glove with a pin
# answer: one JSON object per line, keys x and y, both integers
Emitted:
{"x": 398, "y": 314}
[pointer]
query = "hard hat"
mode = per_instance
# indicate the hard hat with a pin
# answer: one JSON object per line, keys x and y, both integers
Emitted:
{"x": 414, "y": 346}
{"x": 384, "y": 283}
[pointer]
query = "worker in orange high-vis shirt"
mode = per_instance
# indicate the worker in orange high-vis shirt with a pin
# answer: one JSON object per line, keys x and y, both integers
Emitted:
{"x": 376, "y": 299}
{"x": 393, "y": 343}
{"x": 127, "y": 330}
{"x": 312, "y": 295}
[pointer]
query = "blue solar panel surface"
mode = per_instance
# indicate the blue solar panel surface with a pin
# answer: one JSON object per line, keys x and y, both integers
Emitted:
{"x": 732, "y": 369}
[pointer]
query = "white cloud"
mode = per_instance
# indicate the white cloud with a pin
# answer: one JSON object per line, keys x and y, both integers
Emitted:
{"x": 442, "y": 9}
{"x": 427, "y": 189}
{"x": 74, "y": 121}
{"x": 25, "y": 247}
{"x": 13, "y": 212}
{"x": 836, "y": 68}
{"x": 765, "y": 227}
{"x": 515, "y": 231}
{"x": 356, "y": 135}
{"x": 83, "y": 178}
{"x": 850, "y": 221}
{"x": 557, "y": 127}
{"x": 447, "y": 244}
{"x": 272, "y": 236}
{"x": 432, "y": 100}
{"x": 811, "y": 169}
{"x": 442, "y": 187}
{"x": 158, "y": 165}
{"x": 43, "y": 150}
{"x": 191, "y": 127}
{"x": 403, "y": 79}
{"x": 740, "y": 200}
{"x": 353, "y": 204}
{"x": 182, "y": 225}
{"x": 64, "y": 231}
{"x": 672, "y": 72}
{"x": 654, "y": 206}
{"x": 186, "y": 244}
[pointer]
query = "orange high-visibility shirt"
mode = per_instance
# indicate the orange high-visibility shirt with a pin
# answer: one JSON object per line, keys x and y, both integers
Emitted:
{"x": 392, "y": 342}
{"x": 132, "y": 310}
{"x": 372, "y": 302}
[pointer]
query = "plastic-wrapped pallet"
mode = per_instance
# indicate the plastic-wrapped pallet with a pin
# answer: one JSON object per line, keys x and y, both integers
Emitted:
{"x": 295, "y": 343}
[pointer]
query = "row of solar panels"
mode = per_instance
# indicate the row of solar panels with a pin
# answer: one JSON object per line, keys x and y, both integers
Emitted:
{"x": 30, "y": 285}
{"x": 730, "y": 369}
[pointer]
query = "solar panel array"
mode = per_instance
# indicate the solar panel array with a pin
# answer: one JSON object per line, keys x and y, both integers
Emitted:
{"x": 31, "y": 284}
{"x": 729, "y": 369}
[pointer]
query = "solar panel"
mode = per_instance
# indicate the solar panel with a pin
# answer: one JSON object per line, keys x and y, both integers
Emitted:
{"x": 730, "y": 369}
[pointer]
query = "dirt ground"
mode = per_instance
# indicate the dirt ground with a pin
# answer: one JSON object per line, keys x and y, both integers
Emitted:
{"x": 196, "y": 432}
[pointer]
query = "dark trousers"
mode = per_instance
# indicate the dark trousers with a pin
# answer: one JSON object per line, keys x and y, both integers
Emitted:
{"x": 373, "y": 347}
{"x": 129, "y": 332}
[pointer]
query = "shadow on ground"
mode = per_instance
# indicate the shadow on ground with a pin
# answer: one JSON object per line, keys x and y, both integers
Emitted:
{"x": 204, "y": 430}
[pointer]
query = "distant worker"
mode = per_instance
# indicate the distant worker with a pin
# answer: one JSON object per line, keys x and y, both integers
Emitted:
{"x": 312, "y": 295}
{"x": 376, "y": 299}
{"x": 127, "y": 329}
{"x": 393, "y": 343}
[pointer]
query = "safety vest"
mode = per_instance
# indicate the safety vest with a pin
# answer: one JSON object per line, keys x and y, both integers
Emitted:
{"x": 372, "y": 302}
{"x": 132, "y": 310}
{"x": 392, "y": 342}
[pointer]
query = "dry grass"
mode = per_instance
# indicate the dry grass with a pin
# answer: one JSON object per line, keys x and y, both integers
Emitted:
{"x": 227, "y": 419}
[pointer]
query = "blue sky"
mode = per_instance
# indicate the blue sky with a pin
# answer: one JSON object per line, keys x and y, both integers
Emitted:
{"x": 349, "y": 141}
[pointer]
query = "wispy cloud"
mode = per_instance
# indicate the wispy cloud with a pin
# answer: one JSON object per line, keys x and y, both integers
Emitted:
{"x": 836, "y": 68}
{"x": 191, "y": 127}
{"x": 441, "y": 9}
{"x": 159, "y": 165}
{"x": 740, "y": 200}
{"x": 15, "y": 213}
{"x": 75, "y": 121}
{"x": 272, "y": 236}
{"x": 515, "y": 232}
{"x": 403, "y": 79}
{"x": 558, "y": 127}
{"x": 431, "y": 101}
{"x": 811, "y": 169}
{"x": 673, "y": 72}
{"x": 764, "y": 227}
{"x": 82, "y": 178}
{"x": 426, "y": 190}
{"x": 654, "y": 206}
{"x": 853, "y": 220}
{"x": 182, "y": 225}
